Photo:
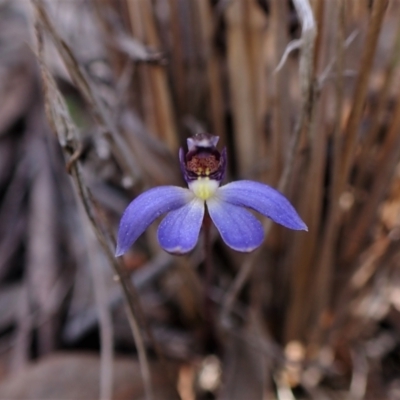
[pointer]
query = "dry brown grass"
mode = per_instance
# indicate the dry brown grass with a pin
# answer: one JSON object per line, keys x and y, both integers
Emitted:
{"x": 125, "y": 82}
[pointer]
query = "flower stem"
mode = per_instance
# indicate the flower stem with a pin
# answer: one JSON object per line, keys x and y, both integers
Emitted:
{"x": 208, "y": 277}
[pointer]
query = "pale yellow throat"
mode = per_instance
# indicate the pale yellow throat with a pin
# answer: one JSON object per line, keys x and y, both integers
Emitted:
{"x": 204, "y": 188}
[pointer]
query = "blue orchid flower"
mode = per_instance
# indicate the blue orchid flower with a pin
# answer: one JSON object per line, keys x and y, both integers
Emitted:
{"x": 203, "y": 168}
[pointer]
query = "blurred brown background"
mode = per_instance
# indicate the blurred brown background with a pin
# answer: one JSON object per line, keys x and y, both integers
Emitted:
{"x": 97, "y": 96}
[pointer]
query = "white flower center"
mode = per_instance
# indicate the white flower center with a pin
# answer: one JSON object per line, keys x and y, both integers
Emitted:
{"x": 204, "y": 188}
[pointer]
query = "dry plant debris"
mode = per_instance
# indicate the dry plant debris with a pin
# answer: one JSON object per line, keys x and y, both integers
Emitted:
{"x": 98, "y": 96}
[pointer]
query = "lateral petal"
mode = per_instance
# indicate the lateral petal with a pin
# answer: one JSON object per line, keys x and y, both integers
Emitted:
{"x": 239, "y": 229}
{"x": 263, "y": 199}
{"x": 179, "y": 230}
{"x": 144, "y": 209}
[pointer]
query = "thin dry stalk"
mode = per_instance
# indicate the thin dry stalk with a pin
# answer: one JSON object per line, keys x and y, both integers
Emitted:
{"x": 216, "y": 103}
{"x": 306, "y": 63}
{"x": 279, "y": 100}
{"x": 353, "y": 123}
{"x": 66, "y": 131}
{"x": 141, "y": 354}
{"x": 105, "y": 319}
{"x": 324, "y": 259}
{"x": 43, "y": 261}
{"x": 364, "y": 160}
{"x": 81, "y": 80}
{"x": 129, "y": 291}
{"x": 308, "y": 35}
{"x": 304, "y": 246}
{"x": 256, "y": 24}
{"x": 321, "y": 39}
{"x": 311, "y": 202}
{"x": 178, "y": 71}
{"x": 240, "y": 87}
{"x": 147, "y": 101}
{"x": 155, "y": 84}
{"x": 323, "y": 280}
{"x": 117, "y": 60}
{"x": 386, "y": 166}
{"x": 306, "y": 72}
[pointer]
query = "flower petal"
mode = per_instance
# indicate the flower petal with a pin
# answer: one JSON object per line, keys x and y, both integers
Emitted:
{"x": 142, "y": 211}
{"x": 179, "y": 230}
{"x": 239, "y": 229}
{"x": 265, "y": 200}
